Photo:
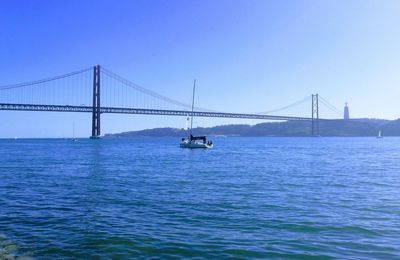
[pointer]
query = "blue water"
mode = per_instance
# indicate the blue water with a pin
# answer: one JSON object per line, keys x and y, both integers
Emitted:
{"x": 246, "y": 198}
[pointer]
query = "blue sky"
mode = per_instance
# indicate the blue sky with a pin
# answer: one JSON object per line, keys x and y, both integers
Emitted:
{"x": 248, "y": 56}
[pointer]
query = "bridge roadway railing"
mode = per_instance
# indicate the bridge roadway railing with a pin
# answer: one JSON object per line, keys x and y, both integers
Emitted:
{"x": 140, "y": 111}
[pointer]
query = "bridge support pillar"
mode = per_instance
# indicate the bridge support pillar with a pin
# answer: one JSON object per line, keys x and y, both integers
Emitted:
{"x": 314, "y": 115}
{"x": 96, "y": 103}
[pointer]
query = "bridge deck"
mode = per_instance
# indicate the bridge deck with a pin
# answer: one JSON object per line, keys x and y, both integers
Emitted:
{"x": 140, "y": 111}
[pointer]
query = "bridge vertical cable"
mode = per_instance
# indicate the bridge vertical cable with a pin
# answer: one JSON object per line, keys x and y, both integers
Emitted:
{"x": 126, "y": 94}
{"x": 294, "y": 108}
{"x": 72, "y": 89}
{"x": 331, "y": 108}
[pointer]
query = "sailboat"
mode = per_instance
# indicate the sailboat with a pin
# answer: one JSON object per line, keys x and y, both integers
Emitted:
{"x": 73, "y": 133}
{"x": 195, "y": 141}
{"x": 379, "y": 134}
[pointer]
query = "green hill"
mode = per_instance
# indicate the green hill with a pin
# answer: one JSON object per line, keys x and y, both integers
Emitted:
{"x": 356, "y": 127}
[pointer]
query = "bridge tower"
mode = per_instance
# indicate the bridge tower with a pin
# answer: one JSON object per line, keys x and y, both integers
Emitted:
{"x": 96, "y": 103}
{"x": 314, "y": 115}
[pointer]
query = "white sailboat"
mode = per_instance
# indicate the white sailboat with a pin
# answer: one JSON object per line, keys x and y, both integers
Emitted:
{"x": 73, "y": 133}
{"x": 379, "y": 134}
{"x": 195, "y": 141}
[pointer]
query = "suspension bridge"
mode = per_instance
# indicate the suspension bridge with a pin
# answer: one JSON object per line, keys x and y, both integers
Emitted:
{"x": 97, "y": 90}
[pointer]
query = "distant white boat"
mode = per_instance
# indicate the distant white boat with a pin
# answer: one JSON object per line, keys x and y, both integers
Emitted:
{"x": 73, "y": 133}
{"x": 195, "y": 141}
{"x": 379, "y": 134}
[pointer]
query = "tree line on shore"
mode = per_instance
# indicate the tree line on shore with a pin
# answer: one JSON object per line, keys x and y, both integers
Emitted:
{"x": 340, "y": 128}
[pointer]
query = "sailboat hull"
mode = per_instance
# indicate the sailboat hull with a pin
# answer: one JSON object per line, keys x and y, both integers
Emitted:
{"x": 195, "y": 145}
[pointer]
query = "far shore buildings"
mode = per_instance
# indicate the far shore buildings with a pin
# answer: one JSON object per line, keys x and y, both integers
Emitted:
{"x": 346, "y": 115}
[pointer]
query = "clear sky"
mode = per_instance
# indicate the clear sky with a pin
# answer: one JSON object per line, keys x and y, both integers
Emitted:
{"x": 248, "y": 55}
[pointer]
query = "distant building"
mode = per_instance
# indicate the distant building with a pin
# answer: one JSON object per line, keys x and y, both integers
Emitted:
{"x": 346, "y": 115}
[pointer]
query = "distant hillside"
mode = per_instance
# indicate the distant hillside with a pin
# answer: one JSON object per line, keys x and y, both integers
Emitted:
{"x": 359, "y": 127}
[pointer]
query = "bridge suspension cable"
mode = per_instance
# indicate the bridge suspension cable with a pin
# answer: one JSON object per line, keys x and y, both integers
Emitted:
{"x": 73, "y": 88}
{"x": 36, "y": 82}
{"x": 331, "y": 107}
{"x": 148, "y": 92}
{"x": 301, "y": 101}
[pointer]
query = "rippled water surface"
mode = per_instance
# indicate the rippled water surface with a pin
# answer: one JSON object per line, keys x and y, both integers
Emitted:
{"x": 246, "y": 198}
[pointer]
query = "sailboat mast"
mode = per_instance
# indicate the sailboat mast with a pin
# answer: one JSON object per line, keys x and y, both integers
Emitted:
{"x": 191, "y": 120}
